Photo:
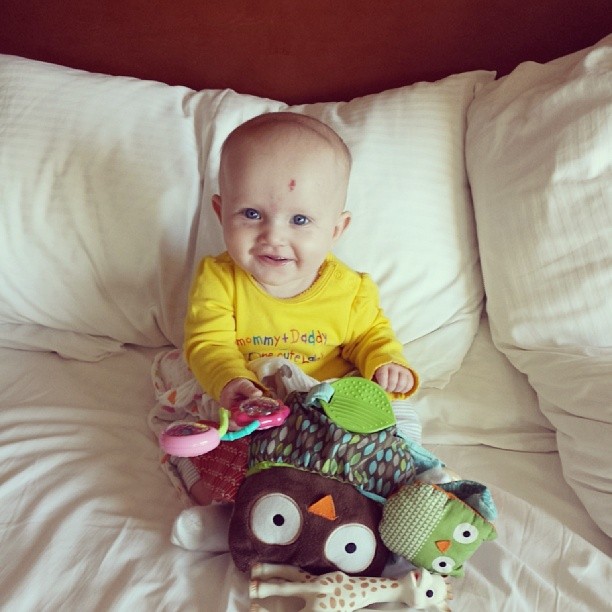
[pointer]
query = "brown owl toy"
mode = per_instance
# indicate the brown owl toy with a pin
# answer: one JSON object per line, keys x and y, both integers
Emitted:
{"x": 293, "y": 517}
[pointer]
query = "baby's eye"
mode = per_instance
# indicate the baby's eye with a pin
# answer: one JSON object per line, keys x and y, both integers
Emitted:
{"x": 251, "y": 213}
{"x": 300, "y": 220}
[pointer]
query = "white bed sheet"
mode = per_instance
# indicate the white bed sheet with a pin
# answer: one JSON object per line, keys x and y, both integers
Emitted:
{"x": 87, "y": 514}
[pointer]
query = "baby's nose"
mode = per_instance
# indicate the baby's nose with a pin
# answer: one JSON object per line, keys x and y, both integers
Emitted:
{"x": 273, "y": 233}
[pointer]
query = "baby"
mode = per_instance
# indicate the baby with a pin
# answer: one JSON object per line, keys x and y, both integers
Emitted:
{"x": 278, "y": 290}
{"x": 283, "y": 183}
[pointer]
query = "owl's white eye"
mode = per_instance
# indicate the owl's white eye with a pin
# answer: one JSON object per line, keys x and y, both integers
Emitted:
{"x": 276, "y": 519}
{"x": 351, "y": 547}
{"x": 465, "y": 533}
{"x": 443, "y": 564}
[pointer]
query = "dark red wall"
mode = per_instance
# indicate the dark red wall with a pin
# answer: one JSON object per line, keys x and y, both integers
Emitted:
{"x": 298, "y": 50}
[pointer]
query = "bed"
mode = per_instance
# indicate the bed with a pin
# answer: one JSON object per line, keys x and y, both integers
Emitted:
{"x": 480, "y": 194}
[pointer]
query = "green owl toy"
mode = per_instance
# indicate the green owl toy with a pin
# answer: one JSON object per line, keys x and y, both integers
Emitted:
{"x": 433, "y": 528}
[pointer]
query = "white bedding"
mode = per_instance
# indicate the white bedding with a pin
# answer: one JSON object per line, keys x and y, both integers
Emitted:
{"x": 87, "y": 513}
{"x": 105, "y": 186}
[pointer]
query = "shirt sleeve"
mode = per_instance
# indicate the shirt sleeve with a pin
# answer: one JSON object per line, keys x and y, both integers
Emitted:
{"x": 210, "y": 329}
{"x": 371, "y": 342}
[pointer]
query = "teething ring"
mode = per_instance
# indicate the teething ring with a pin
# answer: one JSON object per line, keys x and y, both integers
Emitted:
{"x": 267, "y": 410}
{"x": 189, "y": 439}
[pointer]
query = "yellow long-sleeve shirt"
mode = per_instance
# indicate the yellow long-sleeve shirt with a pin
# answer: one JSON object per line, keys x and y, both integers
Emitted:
{"x": 333, "y": 327}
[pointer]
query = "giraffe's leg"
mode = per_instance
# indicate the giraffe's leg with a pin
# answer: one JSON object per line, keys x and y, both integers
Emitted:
{"x": 260, "y": 589}
{"x": 266, "y": 571}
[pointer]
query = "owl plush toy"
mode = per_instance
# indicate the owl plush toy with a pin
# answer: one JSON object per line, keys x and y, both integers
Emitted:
{"x": 433, "y": 528}
{"x": 293, "y": 517}
{"x": 322, "y": 495}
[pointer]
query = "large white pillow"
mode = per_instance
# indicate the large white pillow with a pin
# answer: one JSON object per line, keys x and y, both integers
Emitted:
{"x": 539, "y": 156}
{"x": 106, "y": 185}
{"x": 99, "y": 186}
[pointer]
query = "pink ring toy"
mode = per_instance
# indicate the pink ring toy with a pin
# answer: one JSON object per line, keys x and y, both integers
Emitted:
{"x": 188, "y": 439}
{"x": 267, "y": 410}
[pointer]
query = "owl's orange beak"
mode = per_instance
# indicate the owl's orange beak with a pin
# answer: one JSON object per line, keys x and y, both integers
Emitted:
{"x": 443, "y": 545}
{"x": 325, "y": 508}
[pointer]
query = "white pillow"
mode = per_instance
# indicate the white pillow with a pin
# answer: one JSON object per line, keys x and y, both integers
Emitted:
{"x": 539, "y": 156}
{"x": 412, "y": 226}
{"x": 488, "y": 401}
{"x": 99, "y": 185}
{"x": 103, "y": 178}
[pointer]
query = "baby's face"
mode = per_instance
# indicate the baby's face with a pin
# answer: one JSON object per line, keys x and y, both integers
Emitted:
{"x": 281, "y": 210}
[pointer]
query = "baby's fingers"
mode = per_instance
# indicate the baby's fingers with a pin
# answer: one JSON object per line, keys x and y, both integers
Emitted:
{"x": 394, "y": 378}
{"x": 381, "y": 376}
{"x": 405, "y": 381}
{"x": 247, "y": 389}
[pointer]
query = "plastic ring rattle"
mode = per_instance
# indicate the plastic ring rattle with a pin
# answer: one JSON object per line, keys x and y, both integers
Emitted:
{"x": 189, "y": 439}
{"x": 267, "y": 410}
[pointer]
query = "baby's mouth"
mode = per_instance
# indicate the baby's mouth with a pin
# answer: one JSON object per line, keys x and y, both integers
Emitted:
{"x": 274, "y": 259}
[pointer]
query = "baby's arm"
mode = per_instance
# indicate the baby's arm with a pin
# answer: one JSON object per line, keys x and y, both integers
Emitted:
{"x": 210, "y": 331}
{"x": 374, "y": 348}
{"x": 394, "y": 378}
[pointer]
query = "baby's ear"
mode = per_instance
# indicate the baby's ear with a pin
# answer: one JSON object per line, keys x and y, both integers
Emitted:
{"x": 216, "y": 204}
{"x": 343, "y": 222}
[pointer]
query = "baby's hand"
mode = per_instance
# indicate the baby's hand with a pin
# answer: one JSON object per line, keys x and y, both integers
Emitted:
{"x": 238, "y": 390}
{"x": 394, "y": 378}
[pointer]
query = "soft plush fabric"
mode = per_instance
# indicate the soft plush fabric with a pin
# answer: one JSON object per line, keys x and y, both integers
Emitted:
{"x": 285, "y": 515}
{"x": 106, "y": 183}
{"x": 377, "y": 461}
{"x": 539, "y": 157}
{"x": 434, "y": 528}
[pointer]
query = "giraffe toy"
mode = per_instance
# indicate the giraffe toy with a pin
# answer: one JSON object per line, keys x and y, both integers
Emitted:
{"x": 418, "y": 590}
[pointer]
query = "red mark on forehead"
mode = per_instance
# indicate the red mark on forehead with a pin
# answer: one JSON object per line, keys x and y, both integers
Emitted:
{"x": 292, "y": 184}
